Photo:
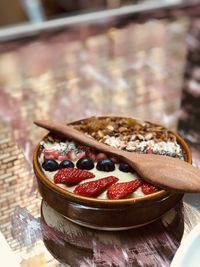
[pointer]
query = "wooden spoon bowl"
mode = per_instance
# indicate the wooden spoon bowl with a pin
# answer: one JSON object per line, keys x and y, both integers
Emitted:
{"x": 107, "y": 214}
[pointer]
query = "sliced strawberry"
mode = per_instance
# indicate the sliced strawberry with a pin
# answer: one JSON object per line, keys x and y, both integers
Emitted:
{"x": 149, "y": 189}
{"x": 56, "y": 154}
{"x": 101, "y": 156}
{"x": 91, "y": 156}
{"x": 95, "y": 188}
{"x": 72, "y": 155}
{"x": 63, "y": 157}
{"x": 71, "y": 176}
{"x": 114, "y": 159}
{"x": 51, "y": 154}
{"x": 81, "y": 155}
{"x": 47, "y": 152}
{"x": 122, "y": 190}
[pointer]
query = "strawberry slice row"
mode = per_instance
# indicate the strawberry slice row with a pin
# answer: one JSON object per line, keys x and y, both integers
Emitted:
{"x": 71, "y": 176}
{"x": 95, "y": 188}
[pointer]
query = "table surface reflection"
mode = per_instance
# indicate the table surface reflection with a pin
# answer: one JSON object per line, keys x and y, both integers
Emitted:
{"x": 144, "y": 70}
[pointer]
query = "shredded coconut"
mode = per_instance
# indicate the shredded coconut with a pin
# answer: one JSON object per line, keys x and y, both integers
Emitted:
{"x": 59, "y": 146}
{"x": 113, "y": 141}
{"x": 164, "y": 148}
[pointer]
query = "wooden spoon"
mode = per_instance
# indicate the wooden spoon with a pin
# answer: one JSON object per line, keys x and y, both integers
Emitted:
{"x": 163, "y": 171}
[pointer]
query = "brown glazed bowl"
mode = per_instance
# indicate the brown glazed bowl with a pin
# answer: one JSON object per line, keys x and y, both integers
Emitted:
{"x": 107, "y": 214}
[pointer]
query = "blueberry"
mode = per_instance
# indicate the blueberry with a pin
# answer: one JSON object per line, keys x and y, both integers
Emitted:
{"x": 124, "y": 167}
{"x": 66, "y": 164}
{"x": 50, "y": 165}
{"x": 105, "y": 165}
{"x": 85, "y": 163}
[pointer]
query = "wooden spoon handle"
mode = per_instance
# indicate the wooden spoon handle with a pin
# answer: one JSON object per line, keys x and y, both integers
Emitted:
{"x": 72, "y": 133}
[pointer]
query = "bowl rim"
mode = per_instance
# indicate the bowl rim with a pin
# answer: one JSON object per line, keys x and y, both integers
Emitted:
{"x": 89, "y": 200}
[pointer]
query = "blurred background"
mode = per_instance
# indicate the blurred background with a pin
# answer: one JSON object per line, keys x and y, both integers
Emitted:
{"x": 15, "y": 12}
{"x": 66, "y": 60}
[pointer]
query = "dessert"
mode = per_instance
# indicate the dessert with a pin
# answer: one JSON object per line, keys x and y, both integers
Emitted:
{"x": 111, "y": 196}
{"x": 68, "y": 164}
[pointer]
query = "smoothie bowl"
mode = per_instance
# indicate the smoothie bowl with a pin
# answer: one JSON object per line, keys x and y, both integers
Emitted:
{"x": 97, "y": 190}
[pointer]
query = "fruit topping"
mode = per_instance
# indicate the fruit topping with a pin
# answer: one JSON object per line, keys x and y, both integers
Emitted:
{"x": 149, "y": 189}
{"x": 50, "y": 165}
{"x": 91, "y": 156}
{"x": 63, "y": 157}
{"x": 66, "y": 164}
{"x": 81, "y": 155}
{"x": 122, "y": 190}
{"x": 71, "y": 176}
{"x": 114, "y": 159}
{"x": 105, "y": 165}
{"x": 95, "y": 188}
{"x": 124, "y": 167}
{"x": 51, "y": 154}
{"x": 85, "y": 163}
{"x": 72, "y": 155}
{"x": 101, "y": 156}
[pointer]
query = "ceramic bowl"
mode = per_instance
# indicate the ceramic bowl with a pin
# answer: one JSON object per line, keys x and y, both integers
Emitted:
{"x": 107, "y": 214}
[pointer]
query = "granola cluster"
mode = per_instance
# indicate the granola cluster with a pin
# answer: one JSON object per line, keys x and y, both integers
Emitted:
{"x": 132, "y": 135}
